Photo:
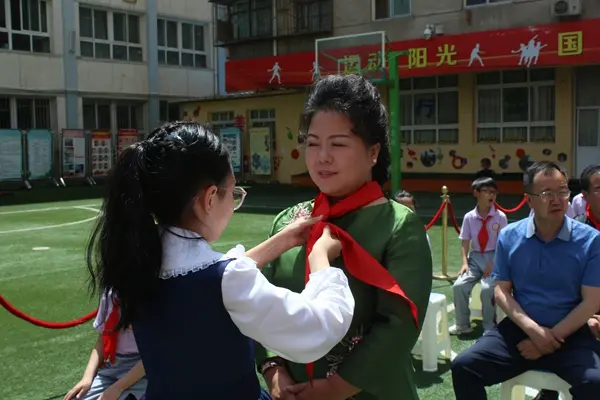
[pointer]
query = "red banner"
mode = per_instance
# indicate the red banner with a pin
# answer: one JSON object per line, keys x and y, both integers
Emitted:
{"x": 566, "y": 43}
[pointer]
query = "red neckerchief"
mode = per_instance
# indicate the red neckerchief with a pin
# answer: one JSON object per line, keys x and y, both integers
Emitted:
{"x": 110, "y": 336}
{"x": 358, "y": 262}
{"x": 590, "y": 217}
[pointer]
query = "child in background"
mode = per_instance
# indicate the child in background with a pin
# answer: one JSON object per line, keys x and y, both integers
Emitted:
{"x": 115, "y": 369}
{"x": 408, "y": 200}
{"x": 479, "y": 234}
{"x": 486, "y": 169}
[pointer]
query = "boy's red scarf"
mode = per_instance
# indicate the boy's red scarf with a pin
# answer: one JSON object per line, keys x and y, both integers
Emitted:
{"x": 591, "y": 218}
{"x": 110, "y": 335}
{"x": 359, "y": 263}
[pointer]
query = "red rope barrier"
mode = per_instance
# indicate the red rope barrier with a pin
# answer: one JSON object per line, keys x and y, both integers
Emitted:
{"x": 453, "y": 218}
{"x": 436, "y": 216}
{"x": 511, "y": 210}
{"x": 45, "y": 324}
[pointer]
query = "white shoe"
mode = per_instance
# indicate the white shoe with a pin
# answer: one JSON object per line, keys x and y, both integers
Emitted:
{"x": 455, "y": 330}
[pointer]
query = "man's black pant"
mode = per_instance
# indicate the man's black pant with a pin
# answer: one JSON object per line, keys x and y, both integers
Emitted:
{"x": 494, "y": 358}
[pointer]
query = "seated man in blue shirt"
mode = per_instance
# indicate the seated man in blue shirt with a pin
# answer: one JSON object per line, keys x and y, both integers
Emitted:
{"x": 547, "y": 281}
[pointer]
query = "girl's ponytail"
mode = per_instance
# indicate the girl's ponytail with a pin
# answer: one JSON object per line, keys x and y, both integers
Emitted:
{"x": 124, "y": 253}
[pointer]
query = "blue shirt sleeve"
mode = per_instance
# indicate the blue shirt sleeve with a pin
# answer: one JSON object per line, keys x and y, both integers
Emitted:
{"x": 501, "y": 270}
{"x": 591, "y": 274}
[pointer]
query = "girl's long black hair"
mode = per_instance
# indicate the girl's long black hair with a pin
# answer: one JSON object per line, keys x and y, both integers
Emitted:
{"x": 153, "y": 183}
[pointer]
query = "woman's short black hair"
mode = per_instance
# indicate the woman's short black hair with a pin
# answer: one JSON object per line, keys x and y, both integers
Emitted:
{"x": 153, "y": 182}
{"x": 359, "y": 100}
{"x": 403, "y": 194}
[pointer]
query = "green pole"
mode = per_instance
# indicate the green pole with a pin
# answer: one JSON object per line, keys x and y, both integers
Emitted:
{"x": 395, "y": 120}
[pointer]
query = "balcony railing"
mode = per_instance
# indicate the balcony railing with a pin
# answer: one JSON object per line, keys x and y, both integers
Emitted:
{"x": 249, "y": 20}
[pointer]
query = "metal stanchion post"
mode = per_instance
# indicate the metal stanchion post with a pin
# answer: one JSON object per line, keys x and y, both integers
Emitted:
{"x": 446, "y": 203}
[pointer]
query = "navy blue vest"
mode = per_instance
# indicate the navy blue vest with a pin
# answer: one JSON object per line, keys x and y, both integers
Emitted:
{"x": 190, "y": 347}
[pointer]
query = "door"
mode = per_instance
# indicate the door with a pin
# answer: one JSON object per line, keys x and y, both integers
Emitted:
{"x": 588, "y": 137}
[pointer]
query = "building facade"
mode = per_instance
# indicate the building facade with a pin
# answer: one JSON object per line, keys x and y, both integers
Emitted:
{"x": 103, "y": 64}
{"x": 504, "y": 82}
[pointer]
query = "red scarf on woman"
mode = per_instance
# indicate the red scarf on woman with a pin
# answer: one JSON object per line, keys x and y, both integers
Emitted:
{"x": 359, "y": 263}
{"x": 110, "y": 336}
{"x": 591, "y": 218}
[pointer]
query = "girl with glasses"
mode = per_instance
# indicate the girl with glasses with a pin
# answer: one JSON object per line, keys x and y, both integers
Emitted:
{"x": 195, "y": 311}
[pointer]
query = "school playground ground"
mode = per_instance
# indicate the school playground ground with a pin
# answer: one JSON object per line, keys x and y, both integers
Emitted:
{"x": 42, "y": 273}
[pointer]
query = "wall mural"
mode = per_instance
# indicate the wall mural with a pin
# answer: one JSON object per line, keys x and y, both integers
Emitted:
{"x": 458, "y": 161}
{"x": 562, "y": 157}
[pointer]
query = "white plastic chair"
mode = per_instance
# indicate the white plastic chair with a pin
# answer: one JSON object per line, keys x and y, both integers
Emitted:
{"x": 476, "y": 307}
{"x": 475, "y": 303}
{"x": 514, "y": 389}
{"x": 434, "y": 338}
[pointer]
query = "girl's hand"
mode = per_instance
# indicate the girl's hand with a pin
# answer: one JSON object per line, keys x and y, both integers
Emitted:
{"x": 296, "y": 233}
{"x": 327, "y": 244}
{"x": 79, "y": 390}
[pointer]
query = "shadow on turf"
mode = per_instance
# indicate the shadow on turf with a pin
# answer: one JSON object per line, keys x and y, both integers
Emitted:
{"x": 426, "y": 379}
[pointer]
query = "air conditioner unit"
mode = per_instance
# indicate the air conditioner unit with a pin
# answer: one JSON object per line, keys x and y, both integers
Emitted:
{"x": 565, "y": 8}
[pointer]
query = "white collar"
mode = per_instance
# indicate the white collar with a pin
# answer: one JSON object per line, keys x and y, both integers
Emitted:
{"x": 184, "y": 252}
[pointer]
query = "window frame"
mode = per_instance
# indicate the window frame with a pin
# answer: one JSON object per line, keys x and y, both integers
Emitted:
{"x": 180, "y": 50}
{"x": 487, "y": 3}
{"x": 529, "y": 84}
{"x": 391, "y": 14}
{"x": 135, "y": 111}
{"x": 10, "y": 31}
{"x": 309, "y": 21}
{"x": 250, "y": 12}
{"x": 410, "y": 138}
{"x": 219, "y": 123}
{"x": 166, "y": 110}
{"x": 35, "y": 117}
{"x": 96, "y": 103}
{"x": 110, "y": 30}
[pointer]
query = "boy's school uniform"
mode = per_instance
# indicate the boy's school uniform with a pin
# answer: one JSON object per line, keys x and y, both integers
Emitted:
{"x": 483, "y": 235}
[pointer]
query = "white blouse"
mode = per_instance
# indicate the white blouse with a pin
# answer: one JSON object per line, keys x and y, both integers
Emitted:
{"x": 300, "y": 327}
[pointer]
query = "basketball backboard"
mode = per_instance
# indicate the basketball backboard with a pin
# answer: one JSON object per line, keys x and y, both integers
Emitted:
{"x": 363, "y": 54}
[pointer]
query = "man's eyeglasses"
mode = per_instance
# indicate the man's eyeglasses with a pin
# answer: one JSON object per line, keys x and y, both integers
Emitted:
{"x": 548, "y": 195}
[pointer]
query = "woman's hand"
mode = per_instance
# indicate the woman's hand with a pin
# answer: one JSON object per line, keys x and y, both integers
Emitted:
{"x": 296, "y": 233}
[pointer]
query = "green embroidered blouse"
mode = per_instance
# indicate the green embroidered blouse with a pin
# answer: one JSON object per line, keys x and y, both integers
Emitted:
{"x": 375, "y": 355}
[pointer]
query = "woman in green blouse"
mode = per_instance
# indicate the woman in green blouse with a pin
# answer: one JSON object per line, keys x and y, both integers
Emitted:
{"x": 385, "y": 253}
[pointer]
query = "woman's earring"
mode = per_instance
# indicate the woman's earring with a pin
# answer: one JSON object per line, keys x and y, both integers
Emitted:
{"x": 375, "y": 161}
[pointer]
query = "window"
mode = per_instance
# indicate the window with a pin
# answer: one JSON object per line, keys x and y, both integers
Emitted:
{"x": 391, "y": 8}
{"x": 252, "y": 18}
{"x": 109, "y": 35}
{"x": 516, "y": 106}
{"x": 130, "y": 115}
{"x": 33, "y": 113}
{"x": 96, "y": 114}
{"x": 181, "y": 43}
{"x": 470, "y": 3}
{"x": 24, "y": 26}
{"x": 313, "y": 16}
{"x": 169, "y": 111}
{"x": 223, "y": 119}
{"x": 429, "y": 110}
{"x": 5, "y": 113}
